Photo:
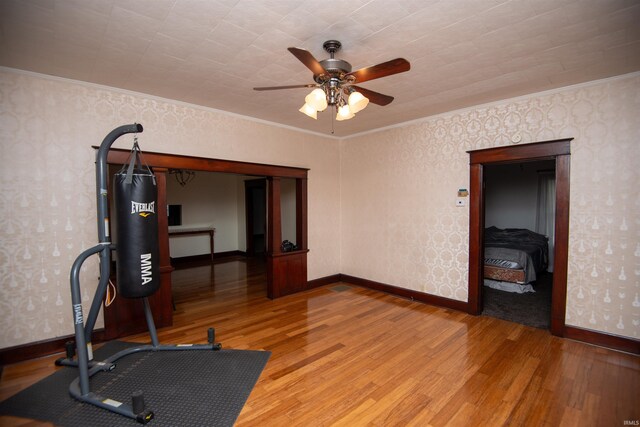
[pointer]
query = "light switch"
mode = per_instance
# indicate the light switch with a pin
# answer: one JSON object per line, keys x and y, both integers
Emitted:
{"x": 461, "y": 200}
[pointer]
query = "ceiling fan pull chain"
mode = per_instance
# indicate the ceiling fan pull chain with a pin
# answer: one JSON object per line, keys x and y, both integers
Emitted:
{"x": 332, "y": 121}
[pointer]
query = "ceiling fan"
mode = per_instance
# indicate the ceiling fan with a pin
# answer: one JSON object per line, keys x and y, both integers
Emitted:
{"x": 334, "y": 80}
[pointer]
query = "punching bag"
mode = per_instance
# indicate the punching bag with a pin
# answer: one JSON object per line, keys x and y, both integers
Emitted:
{"x": 136, "y": 197}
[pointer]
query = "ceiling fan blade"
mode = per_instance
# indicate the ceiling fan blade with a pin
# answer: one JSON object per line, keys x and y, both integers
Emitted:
{"x": 284, "y": 87}
{"x": 308, "y": 60}
{"x": 395, "y": 66}
{"x": 375, "y": 97}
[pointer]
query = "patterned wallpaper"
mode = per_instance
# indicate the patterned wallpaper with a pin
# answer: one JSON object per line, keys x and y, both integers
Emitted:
{"x": 398, "y": 188}
{"x": 392, "y": 192}
{"x": 47, "y": 182}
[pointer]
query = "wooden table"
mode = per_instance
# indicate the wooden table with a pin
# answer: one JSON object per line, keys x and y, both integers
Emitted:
{"x": 195, "y": 231}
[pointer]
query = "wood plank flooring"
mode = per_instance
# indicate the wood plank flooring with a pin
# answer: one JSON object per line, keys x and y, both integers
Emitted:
{"x": 348, "y": 356}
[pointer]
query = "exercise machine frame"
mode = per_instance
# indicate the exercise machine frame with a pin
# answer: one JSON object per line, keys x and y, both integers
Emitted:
{"x": 87, "y": 367}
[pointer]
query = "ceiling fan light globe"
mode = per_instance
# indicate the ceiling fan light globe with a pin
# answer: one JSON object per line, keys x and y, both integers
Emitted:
{"x": 317, "y": 99}
{"x": 344, "y": 113}
{"x": 309, "y": 111}
{"x": 357, "y": 102}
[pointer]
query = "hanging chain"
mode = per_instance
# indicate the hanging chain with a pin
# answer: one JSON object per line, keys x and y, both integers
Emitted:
{"x": 332, "y": 119}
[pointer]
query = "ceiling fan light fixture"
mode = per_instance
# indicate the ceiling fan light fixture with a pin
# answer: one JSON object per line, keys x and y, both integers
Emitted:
{"x": 335, "y": 83}
{"x": 317, "y": 99}
{"x": 344, "y": 113}
{"x": 309, "y": 111}
{"x": 357, "y": 102}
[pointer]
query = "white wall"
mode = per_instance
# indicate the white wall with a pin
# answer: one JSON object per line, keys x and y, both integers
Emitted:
{"x": 242, "y": 218}
{"x": 209, "y": 200}
{"x": 288, "y": 209}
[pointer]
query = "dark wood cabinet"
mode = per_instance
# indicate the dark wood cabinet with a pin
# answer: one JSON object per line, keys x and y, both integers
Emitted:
{"x": 287, "y": 272}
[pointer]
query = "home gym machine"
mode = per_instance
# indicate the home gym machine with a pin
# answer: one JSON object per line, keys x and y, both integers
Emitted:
{"x": 137, "y": 277}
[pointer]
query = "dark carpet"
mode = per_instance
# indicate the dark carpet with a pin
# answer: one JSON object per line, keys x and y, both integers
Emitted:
{"x": 194, "y": 388}
{"x": 531, "y": 309}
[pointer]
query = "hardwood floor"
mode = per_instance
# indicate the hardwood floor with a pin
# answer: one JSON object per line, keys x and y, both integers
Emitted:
{"x": 344, "y": 355}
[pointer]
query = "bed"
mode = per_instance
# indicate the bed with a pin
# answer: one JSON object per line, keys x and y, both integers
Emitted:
{"x": 513, "y": 258}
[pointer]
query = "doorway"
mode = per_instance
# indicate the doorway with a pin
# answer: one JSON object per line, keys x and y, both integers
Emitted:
{"x": 255, "y": 193}
{"x": 519, "y": 200}
{"x": 207, "y": 240}
{"x": 286, "y": 272}
{"x": 558, "y": 150}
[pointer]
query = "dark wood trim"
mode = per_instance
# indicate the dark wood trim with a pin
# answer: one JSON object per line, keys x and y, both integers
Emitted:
{"x": 274, "y": 234}
{"x": 322, "y": 281}
{"x": 162, "y": 301}
{"x": 289, "y": 273}
{"x": 407, "y": 293}
{"x": 561, "y": 245}
{"x": 301, "y": 213}
{"x": 32, "y": 350}
{"x": 615, "y": 342}
{"x": 175, "y": 161}
{"x": 560, "y": 150}
{"x": 274, "y": 213}
{"x": 476, "y": 236}
{"x": 227, "y": 254}
{"x": 517, "y": 153}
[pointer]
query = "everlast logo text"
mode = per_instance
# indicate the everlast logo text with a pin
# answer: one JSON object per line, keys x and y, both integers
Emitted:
{"x": 143, "y": 209}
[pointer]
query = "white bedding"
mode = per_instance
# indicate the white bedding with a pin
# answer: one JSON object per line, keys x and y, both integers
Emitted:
{"x": 508, "y": 286}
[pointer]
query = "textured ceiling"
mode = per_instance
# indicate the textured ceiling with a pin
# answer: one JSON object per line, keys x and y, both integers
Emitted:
{"x": 213, "y": 52}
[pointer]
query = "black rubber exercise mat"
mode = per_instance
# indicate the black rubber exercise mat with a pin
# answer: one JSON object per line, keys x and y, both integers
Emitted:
{"x": 183, "y": 388}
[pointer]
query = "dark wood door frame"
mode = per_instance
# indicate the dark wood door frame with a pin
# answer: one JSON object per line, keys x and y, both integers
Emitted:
{"x": 559, "y": 150}
{"x": 287, "y": 276}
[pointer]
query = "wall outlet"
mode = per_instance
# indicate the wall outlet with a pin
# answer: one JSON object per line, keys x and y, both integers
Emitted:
{"x": 461, "y": 201}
